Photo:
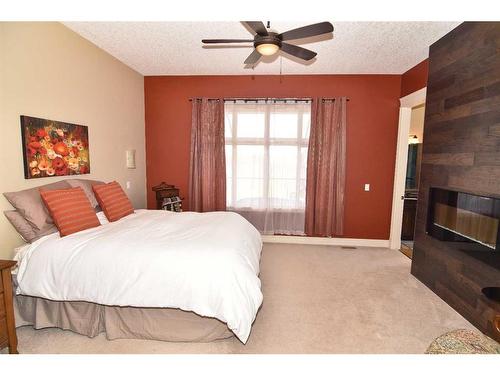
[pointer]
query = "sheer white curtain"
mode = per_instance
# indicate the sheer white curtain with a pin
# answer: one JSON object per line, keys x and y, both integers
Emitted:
{"x": 266, "y": 158}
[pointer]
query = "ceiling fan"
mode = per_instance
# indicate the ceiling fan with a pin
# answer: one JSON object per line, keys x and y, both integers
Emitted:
{"x": 268, "y": 42}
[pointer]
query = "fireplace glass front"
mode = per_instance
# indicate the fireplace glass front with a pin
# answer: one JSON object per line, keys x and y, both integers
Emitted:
{"x": 467, "y": 221}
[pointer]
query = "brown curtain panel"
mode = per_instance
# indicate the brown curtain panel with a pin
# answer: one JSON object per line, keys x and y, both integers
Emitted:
{"x": 207, "y": 175}
{"x": 326, "y": 165}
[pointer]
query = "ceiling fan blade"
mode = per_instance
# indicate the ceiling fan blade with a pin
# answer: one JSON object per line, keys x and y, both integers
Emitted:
{"x": 213, "y": 41}
{"x": 307, "y": 31}
{"x": 258, "y": 27}
{"x": 297, "y": 51}
{"x": 253, "y": 57}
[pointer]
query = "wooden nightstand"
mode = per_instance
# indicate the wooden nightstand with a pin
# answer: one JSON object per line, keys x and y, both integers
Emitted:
{"x": 7, "y": 326}
{"x": 167, "y": 197}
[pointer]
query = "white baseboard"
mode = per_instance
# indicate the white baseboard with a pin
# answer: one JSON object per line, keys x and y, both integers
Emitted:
{"x": 325, "y": 241}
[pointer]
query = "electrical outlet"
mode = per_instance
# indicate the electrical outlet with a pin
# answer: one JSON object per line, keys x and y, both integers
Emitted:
{"x": 128, "y": 184}
{"x": 367, "y": 187}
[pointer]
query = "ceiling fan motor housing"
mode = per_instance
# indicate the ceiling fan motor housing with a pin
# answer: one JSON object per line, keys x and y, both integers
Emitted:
{"x": 272, "y": 38}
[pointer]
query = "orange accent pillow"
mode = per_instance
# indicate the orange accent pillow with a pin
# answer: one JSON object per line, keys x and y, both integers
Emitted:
{"x": 70, "y": 209}
{"x": 113, "y": 200}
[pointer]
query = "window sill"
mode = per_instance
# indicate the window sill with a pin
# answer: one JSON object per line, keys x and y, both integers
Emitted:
{"x": 258, "y": 210}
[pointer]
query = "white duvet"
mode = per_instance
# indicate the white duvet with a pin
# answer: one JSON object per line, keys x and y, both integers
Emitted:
{"x": 207, "y": 263}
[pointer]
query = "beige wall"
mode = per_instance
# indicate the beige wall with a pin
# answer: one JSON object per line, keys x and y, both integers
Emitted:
{"x": 48, "y": 71}
{"x": 417, "y": 122}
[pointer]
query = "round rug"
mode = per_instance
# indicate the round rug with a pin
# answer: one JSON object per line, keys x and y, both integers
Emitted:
{"x": 463, "y": 341}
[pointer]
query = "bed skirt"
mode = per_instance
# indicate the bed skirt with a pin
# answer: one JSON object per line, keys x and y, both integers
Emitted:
{"x": 91, "y": 319}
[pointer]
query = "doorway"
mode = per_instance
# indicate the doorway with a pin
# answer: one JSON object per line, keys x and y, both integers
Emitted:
{"x": 413, "y": 164}
{"x": 412, "y": 108}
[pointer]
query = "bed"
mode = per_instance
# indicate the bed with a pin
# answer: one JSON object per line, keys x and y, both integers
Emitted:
{"x": 153, "y": 274}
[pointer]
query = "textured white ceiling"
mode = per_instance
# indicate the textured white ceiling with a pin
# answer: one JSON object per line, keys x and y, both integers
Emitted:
{"x": 175, "y": 48}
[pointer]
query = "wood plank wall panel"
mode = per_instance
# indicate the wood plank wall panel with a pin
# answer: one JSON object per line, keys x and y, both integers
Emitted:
{"x": 461, "y": 151}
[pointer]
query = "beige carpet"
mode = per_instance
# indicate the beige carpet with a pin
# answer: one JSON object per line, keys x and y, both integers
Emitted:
{"x": 317, "y": 299}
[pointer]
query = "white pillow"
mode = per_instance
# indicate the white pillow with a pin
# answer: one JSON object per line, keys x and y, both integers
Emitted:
{"x": 102, "y": 218}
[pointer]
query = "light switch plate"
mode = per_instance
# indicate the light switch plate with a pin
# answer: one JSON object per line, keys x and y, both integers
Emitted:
{"x": 130, "y": 159}
{"x": 367, "y": 187}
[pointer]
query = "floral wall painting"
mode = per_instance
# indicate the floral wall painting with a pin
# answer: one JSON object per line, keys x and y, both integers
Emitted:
{"x": 54, "y": 148}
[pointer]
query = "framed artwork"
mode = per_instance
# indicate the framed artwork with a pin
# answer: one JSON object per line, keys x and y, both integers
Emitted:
{"x": 54, "y": 148}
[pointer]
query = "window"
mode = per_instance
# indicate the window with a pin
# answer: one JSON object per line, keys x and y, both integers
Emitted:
{"x": 266, "y": 158}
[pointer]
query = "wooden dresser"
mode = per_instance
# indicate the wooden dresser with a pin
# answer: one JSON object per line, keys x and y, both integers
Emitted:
{"x": 7, "y": 326}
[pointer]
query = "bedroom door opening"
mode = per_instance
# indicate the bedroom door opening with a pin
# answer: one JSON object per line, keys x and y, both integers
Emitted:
{"x": 413, "y": 164}
{"x": 403, "y": 193}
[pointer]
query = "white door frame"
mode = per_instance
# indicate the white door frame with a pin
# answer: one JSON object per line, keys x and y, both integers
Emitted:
{"x": 406, "y": 104}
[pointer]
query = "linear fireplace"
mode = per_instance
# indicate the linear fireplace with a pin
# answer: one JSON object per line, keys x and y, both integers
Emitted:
{"x": 467, "y": 222}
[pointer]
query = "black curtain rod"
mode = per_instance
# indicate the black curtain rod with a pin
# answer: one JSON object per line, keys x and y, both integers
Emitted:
{"x": 266, "y": 99}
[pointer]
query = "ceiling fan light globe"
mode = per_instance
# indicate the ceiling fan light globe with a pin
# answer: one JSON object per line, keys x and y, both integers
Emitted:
{"x": 267, "y": 49}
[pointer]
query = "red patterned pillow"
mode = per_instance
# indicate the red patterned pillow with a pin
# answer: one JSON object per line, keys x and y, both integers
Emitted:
{"x": 113, "y": 200}
{"x": 70, "y": 209}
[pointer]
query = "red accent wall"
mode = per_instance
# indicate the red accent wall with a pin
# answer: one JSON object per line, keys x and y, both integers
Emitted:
{"x": 415, "y": 78}
{"x": 372, "y": 121}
